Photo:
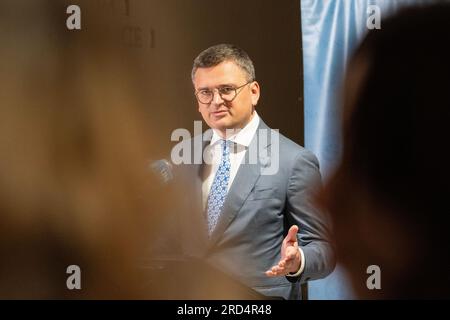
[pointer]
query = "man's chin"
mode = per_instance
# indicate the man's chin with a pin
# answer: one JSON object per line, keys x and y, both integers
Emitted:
{"x": 221, "y": 124}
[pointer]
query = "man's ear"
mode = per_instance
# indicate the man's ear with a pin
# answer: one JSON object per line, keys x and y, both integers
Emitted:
{"x": 255, "y": 91}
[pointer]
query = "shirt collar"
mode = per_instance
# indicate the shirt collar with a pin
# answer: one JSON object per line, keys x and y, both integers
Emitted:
{"x": 244, "y": 136}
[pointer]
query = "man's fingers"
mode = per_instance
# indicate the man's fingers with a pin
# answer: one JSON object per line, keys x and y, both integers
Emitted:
{"x": 269, "y": 273}
{"x": 281, "y": 269}
{"x": 276, "y": 271}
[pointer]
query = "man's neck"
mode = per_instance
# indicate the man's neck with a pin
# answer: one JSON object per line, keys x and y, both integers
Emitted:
{"x": 230, "y": 132}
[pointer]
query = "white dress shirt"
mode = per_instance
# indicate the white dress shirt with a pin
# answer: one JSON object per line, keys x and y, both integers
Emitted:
{"x": 213, "y": 156}
{"x": 240, "y": 142}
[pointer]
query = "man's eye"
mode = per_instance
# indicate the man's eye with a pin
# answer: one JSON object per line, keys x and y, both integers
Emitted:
{"x": 226, "y": 90}
{"x": 205, "y": 92}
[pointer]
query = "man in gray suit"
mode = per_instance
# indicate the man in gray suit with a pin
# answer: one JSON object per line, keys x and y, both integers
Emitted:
{"x": 255, "y": 186}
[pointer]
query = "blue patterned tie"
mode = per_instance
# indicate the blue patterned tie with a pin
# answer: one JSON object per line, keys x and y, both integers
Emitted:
{"x": 219, "y": 188}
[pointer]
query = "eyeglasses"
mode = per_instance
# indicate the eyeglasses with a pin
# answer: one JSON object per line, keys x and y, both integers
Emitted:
{"x": 227, "y": 93}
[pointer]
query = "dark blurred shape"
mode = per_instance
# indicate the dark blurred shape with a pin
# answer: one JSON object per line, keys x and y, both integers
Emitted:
{"x": 75, "y": 138}
{"x": 77, "y": 132}
{"x": 389, "y": 196}
{"x": 182, "y": 281}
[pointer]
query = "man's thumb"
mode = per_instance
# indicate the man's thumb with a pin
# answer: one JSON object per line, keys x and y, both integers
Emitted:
{"x": 292, "y": 234}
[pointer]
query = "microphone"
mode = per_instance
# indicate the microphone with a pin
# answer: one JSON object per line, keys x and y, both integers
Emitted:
{"x": 163, "y": 169}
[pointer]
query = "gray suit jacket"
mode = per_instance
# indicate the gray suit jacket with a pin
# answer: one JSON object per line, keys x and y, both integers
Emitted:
{"x": 259, "y": 208}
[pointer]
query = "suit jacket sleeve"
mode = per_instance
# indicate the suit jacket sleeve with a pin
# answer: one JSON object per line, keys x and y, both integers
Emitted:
{"x": 314, "y": 229}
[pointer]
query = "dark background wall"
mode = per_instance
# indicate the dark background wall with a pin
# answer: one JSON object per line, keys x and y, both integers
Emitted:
{"x": 171, "y": 33}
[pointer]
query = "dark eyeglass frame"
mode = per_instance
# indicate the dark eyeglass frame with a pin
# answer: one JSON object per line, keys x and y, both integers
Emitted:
{"x": 236, "y": 92}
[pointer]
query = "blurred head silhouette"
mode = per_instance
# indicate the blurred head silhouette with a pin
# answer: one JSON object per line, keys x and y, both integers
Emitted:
{"x": 74, "y": 141}
{"x": 388, "y": 197}
{"x": 77, "y": 132}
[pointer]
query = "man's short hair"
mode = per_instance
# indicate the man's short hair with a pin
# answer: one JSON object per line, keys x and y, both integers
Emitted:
{"x": 224, "y": 52}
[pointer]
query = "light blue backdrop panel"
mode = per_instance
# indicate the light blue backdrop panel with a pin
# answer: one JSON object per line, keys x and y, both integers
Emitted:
{"x": 331, "y": 30}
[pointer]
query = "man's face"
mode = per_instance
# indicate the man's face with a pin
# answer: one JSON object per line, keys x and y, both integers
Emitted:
{"x": 221, "y": 114}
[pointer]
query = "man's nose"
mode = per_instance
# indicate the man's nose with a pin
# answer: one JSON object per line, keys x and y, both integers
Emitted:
{"x": 217, "y": 99}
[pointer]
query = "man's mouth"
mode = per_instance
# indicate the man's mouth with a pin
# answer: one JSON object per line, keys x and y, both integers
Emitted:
{"x": 219, "y": 113}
